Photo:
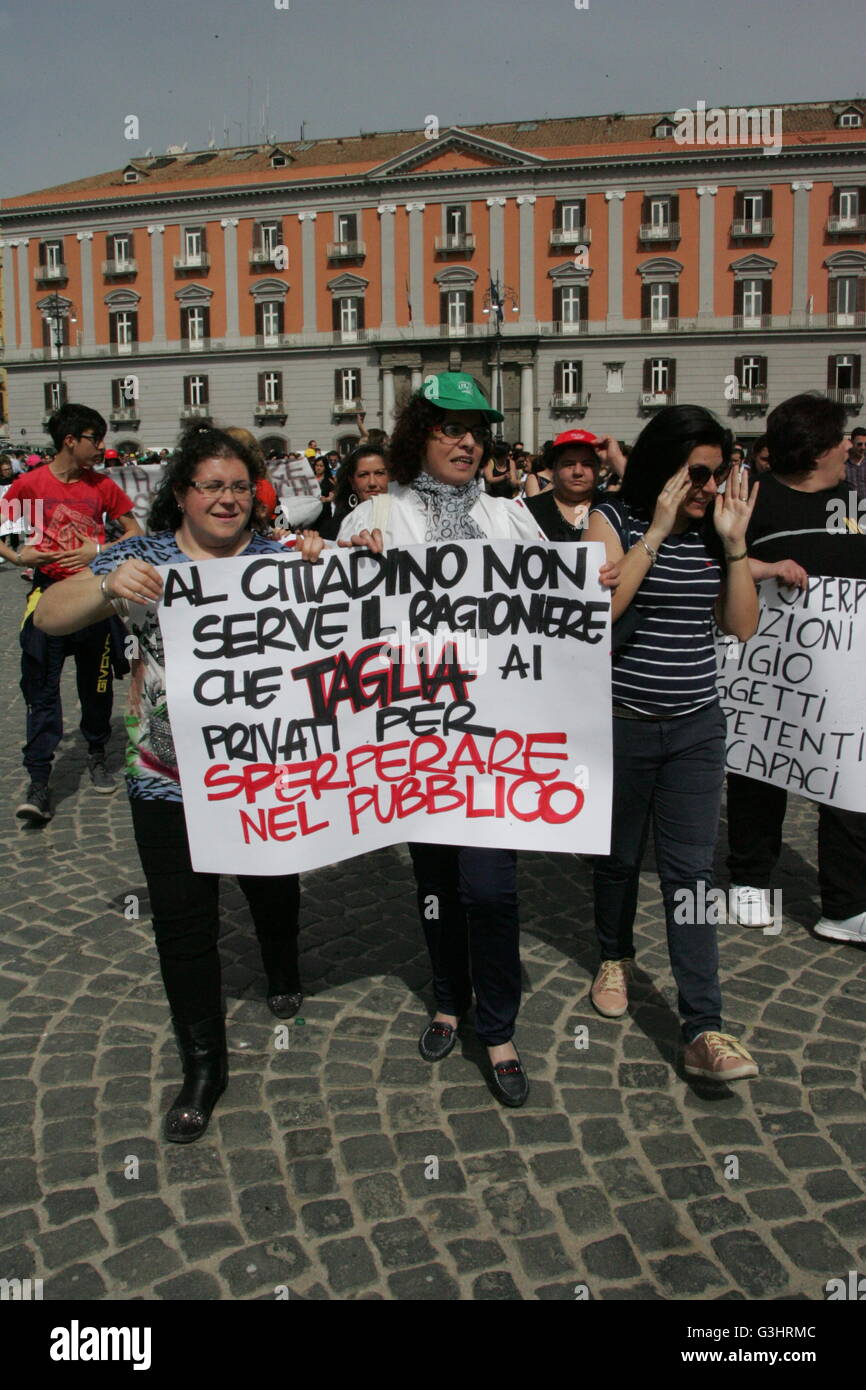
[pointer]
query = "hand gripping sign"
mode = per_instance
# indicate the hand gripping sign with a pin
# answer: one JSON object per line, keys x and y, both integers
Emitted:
{"x": 453, "y": 694}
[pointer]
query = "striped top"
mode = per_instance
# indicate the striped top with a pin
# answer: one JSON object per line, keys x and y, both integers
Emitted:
{"x": 669, "y": 665}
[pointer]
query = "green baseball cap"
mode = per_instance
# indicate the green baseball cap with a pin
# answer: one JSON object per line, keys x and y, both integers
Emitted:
{"x": 457, "y": 391}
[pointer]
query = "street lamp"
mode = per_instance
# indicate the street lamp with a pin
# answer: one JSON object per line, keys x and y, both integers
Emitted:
{"x": 54, "y": 311}
{"x": 495, "y": 299}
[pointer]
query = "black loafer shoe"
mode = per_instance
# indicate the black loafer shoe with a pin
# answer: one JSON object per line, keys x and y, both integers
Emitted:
{"x": 285, "y": 1005}
{"x": 510, "y": 1082}
{"x": 437, "y": 1041}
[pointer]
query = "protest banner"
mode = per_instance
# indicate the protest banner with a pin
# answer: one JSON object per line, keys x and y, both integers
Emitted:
{"x": 795, "y": 694}
{"x": 455, "y": 694}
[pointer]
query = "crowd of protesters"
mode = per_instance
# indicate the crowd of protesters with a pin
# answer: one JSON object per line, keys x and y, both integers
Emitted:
{"x": 688, "y": 523}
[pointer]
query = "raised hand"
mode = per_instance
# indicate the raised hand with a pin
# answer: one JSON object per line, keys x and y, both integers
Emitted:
{"x": 732, "y": 510}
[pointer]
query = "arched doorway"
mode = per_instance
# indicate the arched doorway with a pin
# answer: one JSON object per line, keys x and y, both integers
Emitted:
{"x": 273, "y": 442}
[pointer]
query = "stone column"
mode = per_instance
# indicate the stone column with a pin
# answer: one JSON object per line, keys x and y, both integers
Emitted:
{"x": 24, "y": 292}
{"x": 386, "y": 250}
{"x": 615, "y": 198}
{"x": 387, "y": 399}
{"x": 526, "y": 203}
{"x": 230, "y": 242}
{"x": 157, "y": 270}
{"x": 308, "y": 253}
{"x": 416, "y": 261}
{"x": 495, "y": 226}
{"x": 706, "y": 253}
{"x": 800, "y": 257}
{"x": 86, "y": 316}
{"x": 527, "y": 406}
{"x": 10, "y": 329}
{"x": 417, "y": 379}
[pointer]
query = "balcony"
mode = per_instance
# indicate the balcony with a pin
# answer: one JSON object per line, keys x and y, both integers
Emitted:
{"x": 198, "y": 261}
{"x": 566, "y": 326}
{"x": 349, "y": 335}
{"x": 750, "y": 399}
{"x": 119, "y": 267}
{"x": 125, "y": 415}
{"x": 745, "y": 323}
{"x": 669, "y": 325}
{"x": 849, "y": 395}
{"x": 846, "y": 320}
{"x": 461, "y": 242}
{"x": 271, "y": 410}
{"x": 348, "y": 407}
{"x": 570, "y": 236}
{"x": 651, "y": 232}
{"x": 51, "y": 274}
{"x": 846, "y": 226}
{"x": 267, "y": 255}
{"x": 346, "y": 250}
{"x": 751, "y": 227}
{"x": 195, "y": 412}
{"x": 656, "y": 400}
{"x": 462, "y": 330}
{"x": 571, "y": 402}
{"x": 195, "y": 344}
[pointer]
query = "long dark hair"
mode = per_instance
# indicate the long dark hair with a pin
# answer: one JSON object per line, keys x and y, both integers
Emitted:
{"x": 410, "y": 434}
{"x": 345, "y": 483}
{"x": 662, "y": 448}
{"x": 193, "y": 448}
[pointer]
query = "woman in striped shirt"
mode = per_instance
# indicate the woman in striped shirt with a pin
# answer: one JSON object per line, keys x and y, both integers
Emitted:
{"x": 682, "y": 553}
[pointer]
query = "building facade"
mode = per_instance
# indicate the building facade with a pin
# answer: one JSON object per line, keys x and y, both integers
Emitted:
{"x": 590, "y": 270}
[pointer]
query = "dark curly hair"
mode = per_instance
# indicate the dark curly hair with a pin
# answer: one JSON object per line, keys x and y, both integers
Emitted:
{"x": 193, "y": 448}
{"x": 410, "y": 434}
{"x": 801, "y": 429}
{"x": 345, "y": 485}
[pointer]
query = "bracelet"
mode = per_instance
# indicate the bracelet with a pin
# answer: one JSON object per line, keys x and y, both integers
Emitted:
{"x": 109, "y": 598}
{"x": 653, "y": 554}
{"x": 731, "y": 558}
{"x": 98, "y": 548}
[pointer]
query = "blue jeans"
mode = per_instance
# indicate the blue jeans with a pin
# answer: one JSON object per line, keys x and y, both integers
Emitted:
{"x": 467, "y": 902}
{"x": 670, "y": 771}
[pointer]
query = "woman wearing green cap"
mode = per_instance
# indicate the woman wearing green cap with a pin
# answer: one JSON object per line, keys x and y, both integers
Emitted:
{"x": 440, "y": 441}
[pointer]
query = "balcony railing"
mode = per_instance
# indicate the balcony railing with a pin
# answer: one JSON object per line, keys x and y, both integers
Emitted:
{"x": 124, "y": 415}
{"x": 194, "y": 260}
{"x": 195, "y": 344}
{"x": 264, "y": 255}
{"x": 268, "y": 408}
{"x": 346, "y": 250}
{"x": 750, "y": 398}
{"x": 455, "y": 241}
{"x": 839, "y": 320}
{"x": 352, "y": 406}
{"x": 349, "y": 335}
{"x": 752, "y": 226}
{"x": 119, "y": 267}
{"x": 570, "y": 236}
{"x": 569, "y": 400}
{"x": 670, "y": 324}
{"x": 659, "y": 231}
{"x": 842, "y": 226}
{"x": 50, "y": 274}
{"x": 744, "y": 323}
{"x": 656, "y": 400}
{"x": 461, "y": 330}
{"x": 195, "y": 412}
{"x": 849, "y": 395}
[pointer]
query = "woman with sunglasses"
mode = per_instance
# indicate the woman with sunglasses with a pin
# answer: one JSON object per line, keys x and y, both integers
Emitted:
{"x": 203, "y": 510}
{"x": 467, "y": 896}
{"x": 681, "y": 548}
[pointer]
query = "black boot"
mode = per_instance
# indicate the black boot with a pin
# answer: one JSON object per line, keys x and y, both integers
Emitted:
{"x": 202, "y": 1048}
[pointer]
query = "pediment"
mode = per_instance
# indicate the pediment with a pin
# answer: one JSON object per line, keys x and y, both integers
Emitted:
{"x": 753, "y": 265}
{"x": 456, "y": 149}
{"x": 347, "y": 284}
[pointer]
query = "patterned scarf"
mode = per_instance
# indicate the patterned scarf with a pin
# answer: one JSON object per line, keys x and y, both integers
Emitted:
{"x": 447, "y": 509}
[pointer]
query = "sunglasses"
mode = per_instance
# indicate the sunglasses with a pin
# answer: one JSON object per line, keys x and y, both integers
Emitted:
{"x": 700, "y": 474}
{"x": 453, "y": 430}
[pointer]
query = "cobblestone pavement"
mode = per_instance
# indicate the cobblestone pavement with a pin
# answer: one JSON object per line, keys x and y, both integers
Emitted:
{"x": 316, "y": 1177}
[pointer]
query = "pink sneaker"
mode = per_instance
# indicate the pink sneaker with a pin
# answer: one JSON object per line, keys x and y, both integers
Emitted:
{"x": 609, "y": 992}
{"x": 718, "y": 1057}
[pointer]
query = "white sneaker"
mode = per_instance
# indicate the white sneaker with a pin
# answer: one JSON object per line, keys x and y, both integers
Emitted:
{"x": 750, "y": 907}
{"x": 848, "y": 929}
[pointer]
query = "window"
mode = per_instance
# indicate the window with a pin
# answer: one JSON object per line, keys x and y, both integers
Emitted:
{"x": 752, "y": 301}
{"x": 849, "y": 206}
{"x": 570, "y": 303}
{"x": 660, "y": 217}
{"x": 121, "y": 249}
{"x": 753, "y": 207}
{"x": 660, "y": 213}
{"x": 130, "y": 176}
{"x": 123, "y": 395}
{"x": 55, "y": 333}
{"x": 55, "y": 395}
{"x": 613, "y": 377}
{"x": 659, "y": 380}
{"x": 193, "y": 245}
{"x": 660, "y": 369}
{"x": 457, "y": 307}
{"x": 843, "y": 373}
{"x": 195, "y": 390}
{"x": 751, "y": 373}
{"x": 347, "y": 226}
{"x": 271, "y": 388}
{"x": 347, "y": 382}
{"x": 663, "y": 130}
{"x": 123, "y": 329}
{"x": 846, "y": 299}
{"x": 195, "y": 324}
{"x": 571, "y": 217}
{"x": 850, "y": 120}
{"x": 270, "y": 237}
{"x": 269, "y": 321}
{"x": 455, "y": 221}
{"x": 567, "y": 382}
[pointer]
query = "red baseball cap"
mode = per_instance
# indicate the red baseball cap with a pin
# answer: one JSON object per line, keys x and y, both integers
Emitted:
{"x": 576, "y": 437}
{"x": 111, "y": 454}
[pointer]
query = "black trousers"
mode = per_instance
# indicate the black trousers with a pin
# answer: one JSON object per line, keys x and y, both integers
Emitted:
{"x": 756, "y": 815}
{"x": 42, "y": 661}
{"x": 185, "y": 911}
{"x": 467, "y": 902}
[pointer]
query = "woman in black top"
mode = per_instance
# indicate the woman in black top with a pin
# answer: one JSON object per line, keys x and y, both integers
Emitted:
{"x": 573, "y": 462}
{"x": 362, "y": 474}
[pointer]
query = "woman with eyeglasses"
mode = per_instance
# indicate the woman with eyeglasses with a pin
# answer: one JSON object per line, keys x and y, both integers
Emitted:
{"x": 203, "y": 510}
{"x": 681, "y": 549}
{"x": 467, "y": 896}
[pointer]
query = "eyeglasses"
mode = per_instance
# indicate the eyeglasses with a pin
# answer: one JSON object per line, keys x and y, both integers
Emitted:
{"x": 98, "y": 443}
{"x": 453, "y": 430}
{"x": 215, "y": 489}
{"x": 700, "y": 474}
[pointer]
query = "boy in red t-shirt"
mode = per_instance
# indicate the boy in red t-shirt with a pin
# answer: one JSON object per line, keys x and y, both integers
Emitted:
{"x": 66, "y": 503}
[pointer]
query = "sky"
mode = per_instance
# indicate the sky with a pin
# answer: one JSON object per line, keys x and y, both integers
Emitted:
{"x": 71, "y": 75}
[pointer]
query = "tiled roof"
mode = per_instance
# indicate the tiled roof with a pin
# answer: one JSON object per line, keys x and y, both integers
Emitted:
{"x": 336, "y": 156}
